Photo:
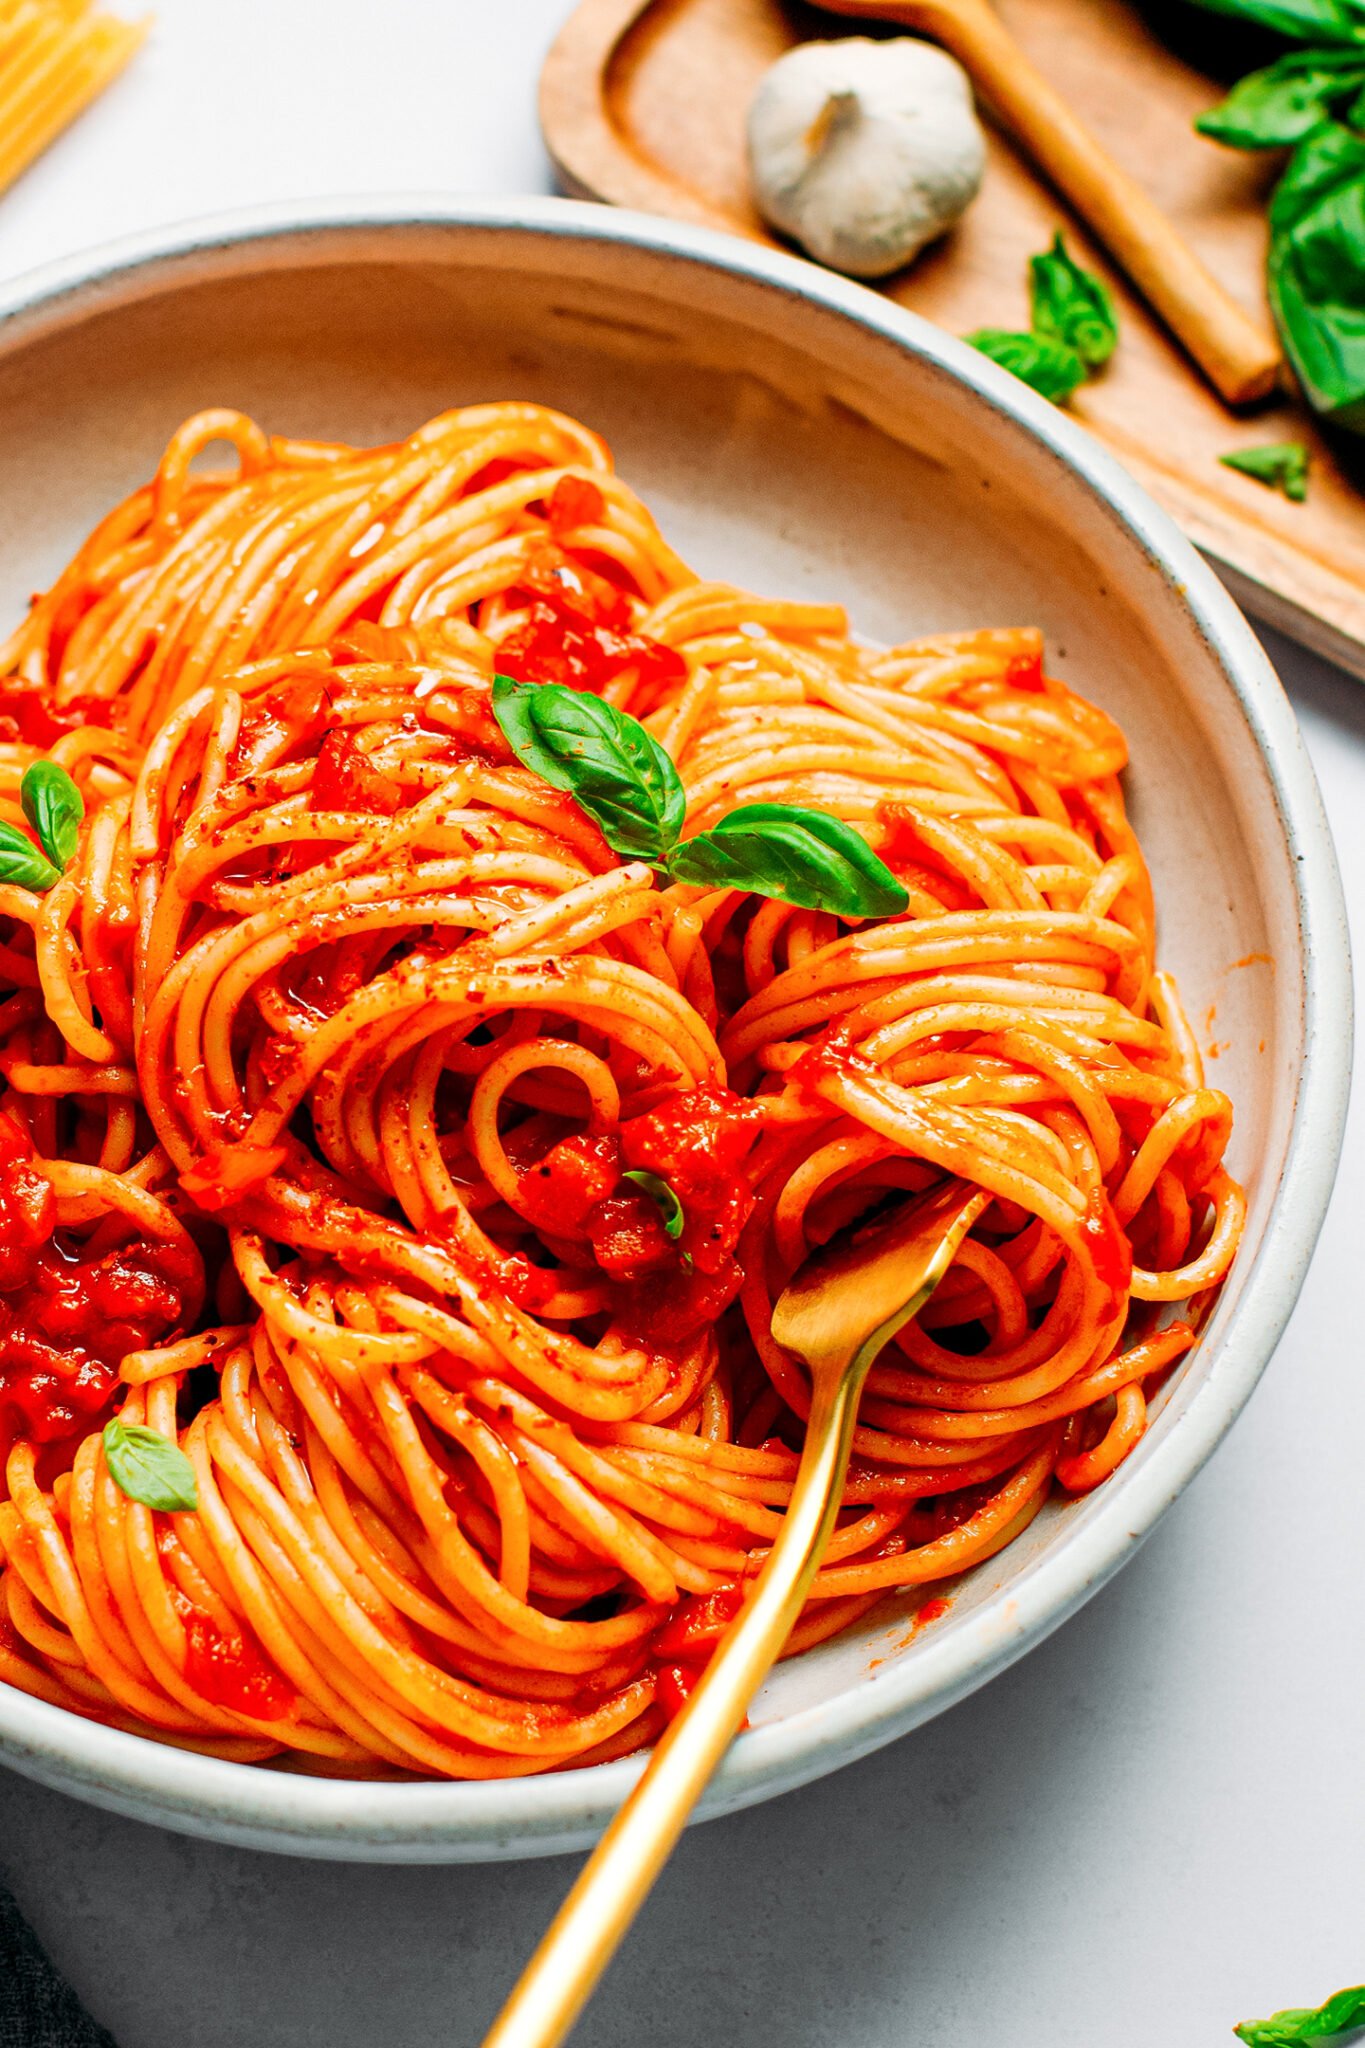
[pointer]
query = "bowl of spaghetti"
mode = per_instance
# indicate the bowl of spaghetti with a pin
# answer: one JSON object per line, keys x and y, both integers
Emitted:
{"x": 550, "y": 761}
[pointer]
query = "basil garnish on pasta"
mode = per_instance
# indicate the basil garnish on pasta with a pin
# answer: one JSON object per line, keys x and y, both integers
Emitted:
{"x": 616, "y": 770}
{"x": 629, "y": 786}
{"x": 805, "y": 857}
{"x": 149, "y": 1468}
{"x": 664, "y": 1198}
{"x": 54, "y": 808}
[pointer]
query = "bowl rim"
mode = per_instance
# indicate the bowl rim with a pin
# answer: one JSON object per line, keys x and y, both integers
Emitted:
{"x": 491, "y": 1819}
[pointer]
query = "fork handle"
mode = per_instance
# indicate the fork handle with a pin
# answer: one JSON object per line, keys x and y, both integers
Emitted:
{"x": 1237, "y": 353}
{"x": 613, "y": 1884}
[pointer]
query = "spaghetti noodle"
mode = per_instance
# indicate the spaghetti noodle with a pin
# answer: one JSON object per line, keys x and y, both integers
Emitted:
{"x": 426, "y": 1171}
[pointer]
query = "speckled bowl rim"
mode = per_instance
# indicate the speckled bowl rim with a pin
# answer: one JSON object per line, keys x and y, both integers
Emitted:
{"x": 443, "y": 1822}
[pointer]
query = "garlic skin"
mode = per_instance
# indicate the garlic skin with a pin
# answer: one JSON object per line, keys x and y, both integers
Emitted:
{"x": 863, "y": 151}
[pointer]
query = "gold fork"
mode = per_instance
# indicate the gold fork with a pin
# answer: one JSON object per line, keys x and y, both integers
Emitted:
{"x": 841, "y": 1308}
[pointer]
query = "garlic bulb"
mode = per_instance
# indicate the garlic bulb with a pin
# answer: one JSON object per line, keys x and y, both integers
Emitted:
{"x": 863, "y": 151}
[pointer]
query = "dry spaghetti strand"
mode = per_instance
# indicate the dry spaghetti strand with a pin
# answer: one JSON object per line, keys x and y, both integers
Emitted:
{"x": 56, "y": 56}
{"x": 332, "y": 1064}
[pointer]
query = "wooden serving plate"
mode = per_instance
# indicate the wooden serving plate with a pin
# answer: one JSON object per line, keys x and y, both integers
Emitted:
{"x": 643, "y": 104}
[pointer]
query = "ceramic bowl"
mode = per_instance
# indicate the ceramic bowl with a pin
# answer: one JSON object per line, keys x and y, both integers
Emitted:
{"x": 802, "y": 436}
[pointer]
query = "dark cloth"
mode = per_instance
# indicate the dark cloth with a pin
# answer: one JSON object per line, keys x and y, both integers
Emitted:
{"x": 38, "y": 2009}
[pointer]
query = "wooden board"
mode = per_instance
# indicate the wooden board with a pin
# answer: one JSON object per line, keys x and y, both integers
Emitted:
{"x": 643, "y": 104}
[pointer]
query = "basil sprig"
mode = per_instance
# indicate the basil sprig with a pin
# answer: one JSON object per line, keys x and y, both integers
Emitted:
{"x": 1050, "y": 367}
{"x": 1316, "y": 270}
{"x": 1073, "y": 330}
{"x": 1297, "y": 2026}
{"x": 1282, "y": 465}
{"x": 149, "y": 1468}
{"x": 54, "y": 808}
{"x": 1276, "y": 107}
{"x": 1312, "y": 99}
{"x": 664, "y": 1198}
{"x": 1072, "y": 305}
{"x": 628, "y": 784}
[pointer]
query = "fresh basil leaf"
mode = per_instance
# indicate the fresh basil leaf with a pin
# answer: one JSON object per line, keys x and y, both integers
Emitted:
{"x": 799, "y": 856}
{"x": 21, "y": 862}
{"x": 1316, "y": 270}
{"x": 1072, "y": 305}
{"x": 54, "y": 807}
{"x": 1303, "y": 21}
{"x": 1278, "y": 106}
{"x": 149, "y": 1467}
{"x": 1297, "y": 2025}
{"x": 662, "y": 1195}
{"x": 1283, "y": 465}
{"x": 1050, "y": 367}
{"x": 607, "y": 760}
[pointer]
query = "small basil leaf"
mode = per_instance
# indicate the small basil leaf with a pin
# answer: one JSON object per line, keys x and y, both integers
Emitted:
{"x": 607, "y": 761}
{"x": 1072, "y": 305}
{"x": 1303, "y": 21}
{"x": 1273, "y": 108}
{"x": 799, "y": 856}
{"x": 1283, "y": 465}
{"x": 1297, "y": 2025}
{"x": 661, "y": 1194}
{"x": 149, "y": 1468}
{"x": 21, "y": 862}
{"x": 1050, "y": 367}
{"x": 1316, "y": 270}
{"x": 54, "y": 807}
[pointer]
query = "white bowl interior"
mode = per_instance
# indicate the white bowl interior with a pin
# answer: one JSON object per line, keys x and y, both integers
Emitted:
{"x": 786, "y": 448}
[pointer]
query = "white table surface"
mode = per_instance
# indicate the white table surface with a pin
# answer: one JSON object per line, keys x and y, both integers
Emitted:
{"x": 1152, "y": 1827}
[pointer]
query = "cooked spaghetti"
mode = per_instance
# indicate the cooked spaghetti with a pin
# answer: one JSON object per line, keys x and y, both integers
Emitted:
{"x": 426, "y": 1170}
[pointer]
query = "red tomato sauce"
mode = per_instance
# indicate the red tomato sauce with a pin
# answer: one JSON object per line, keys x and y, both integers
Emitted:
{"x": 233, "y": 1672}
{"x": 578, "y": 633}
{"x": 66, "y": 1322}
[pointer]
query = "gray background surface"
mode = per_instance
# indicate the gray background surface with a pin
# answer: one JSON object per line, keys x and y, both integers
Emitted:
{"x": 1150, "y": 1829}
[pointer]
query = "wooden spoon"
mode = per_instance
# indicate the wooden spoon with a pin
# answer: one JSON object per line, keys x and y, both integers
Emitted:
{"x": 1237, "y": 353}
{"x": 843, "y": 1305}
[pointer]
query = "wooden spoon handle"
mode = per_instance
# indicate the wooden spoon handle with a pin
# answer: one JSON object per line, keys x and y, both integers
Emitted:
{"x": 1237, "y": 353}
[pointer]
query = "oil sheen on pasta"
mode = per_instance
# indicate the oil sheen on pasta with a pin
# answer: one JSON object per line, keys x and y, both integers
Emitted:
{"x": 327, "y": 1059}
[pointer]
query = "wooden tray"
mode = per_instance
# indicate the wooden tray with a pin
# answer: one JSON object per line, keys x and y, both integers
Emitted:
{"x": 643, "y": 103}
